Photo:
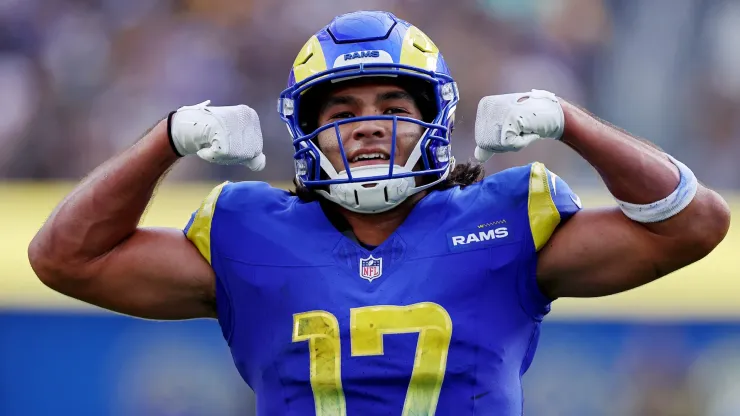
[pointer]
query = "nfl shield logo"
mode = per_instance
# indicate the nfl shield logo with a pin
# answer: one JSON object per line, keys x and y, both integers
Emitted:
{"x": 371, "y": 268}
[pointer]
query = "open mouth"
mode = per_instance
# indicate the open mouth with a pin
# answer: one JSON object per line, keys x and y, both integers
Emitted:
{"x": 369, "y": 159}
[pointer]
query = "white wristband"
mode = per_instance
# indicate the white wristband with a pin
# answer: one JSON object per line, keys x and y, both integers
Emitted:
{"x": 668, "y": 206}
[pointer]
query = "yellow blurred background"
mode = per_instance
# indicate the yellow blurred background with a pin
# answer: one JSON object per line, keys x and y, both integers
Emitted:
{"x": 708, "y": 289}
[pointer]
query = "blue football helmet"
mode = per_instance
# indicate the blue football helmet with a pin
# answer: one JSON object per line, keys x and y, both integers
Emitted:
{"x": 370, "y": 44}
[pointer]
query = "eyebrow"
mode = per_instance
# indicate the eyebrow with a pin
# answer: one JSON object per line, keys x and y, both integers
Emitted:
{"x": 339, "y": 100}
{"x": 350, "y": 100}
{"x": 394, "y": 95}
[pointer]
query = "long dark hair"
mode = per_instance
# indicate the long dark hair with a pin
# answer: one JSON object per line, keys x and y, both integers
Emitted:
{"x": 462, "y": 175}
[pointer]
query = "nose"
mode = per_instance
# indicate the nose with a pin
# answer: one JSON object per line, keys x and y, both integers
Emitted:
{"x": 376, "y": 129}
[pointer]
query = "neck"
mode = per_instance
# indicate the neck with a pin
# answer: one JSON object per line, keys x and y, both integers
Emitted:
{"x": 373, "y": 229}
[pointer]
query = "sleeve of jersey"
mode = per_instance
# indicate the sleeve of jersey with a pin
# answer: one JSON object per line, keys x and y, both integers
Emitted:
{"x": 550, "y": 203}
{"x": 198, "y": 229}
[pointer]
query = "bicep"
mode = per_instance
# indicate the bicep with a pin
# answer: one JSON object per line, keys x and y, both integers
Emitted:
{"x": 157, "y": 273}
{"x": 600, "y": 252}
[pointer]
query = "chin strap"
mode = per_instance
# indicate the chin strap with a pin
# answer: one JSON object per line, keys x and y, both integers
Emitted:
{"x": 385, "y": 195}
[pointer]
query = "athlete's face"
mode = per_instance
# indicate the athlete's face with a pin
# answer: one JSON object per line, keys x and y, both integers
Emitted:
{"x": 371, "y": 138}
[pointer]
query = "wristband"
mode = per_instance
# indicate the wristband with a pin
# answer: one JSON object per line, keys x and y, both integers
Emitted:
{"x": 169, "y": 133}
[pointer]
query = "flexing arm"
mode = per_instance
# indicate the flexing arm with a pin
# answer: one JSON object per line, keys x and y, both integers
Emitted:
{"x": 602, "y": 252}
{"x": 91, "y": 249}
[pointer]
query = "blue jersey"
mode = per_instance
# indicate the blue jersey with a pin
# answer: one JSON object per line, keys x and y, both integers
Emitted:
{"x": 442, "y": 317}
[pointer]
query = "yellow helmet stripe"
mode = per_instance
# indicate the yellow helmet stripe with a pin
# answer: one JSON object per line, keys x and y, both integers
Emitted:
{"x": 418, "y": 50}
{"x": 310, "y": 60}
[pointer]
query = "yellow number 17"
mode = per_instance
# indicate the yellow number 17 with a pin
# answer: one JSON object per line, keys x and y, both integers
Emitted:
{"x": 367, "y": 327}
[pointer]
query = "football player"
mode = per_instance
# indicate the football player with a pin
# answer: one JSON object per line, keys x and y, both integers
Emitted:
{"x": 392, "y": 281}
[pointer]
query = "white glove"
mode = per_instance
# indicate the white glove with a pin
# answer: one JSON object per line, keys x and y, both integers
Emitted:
{"x": 510, "y": 122}
{"x": 223, "y": 135}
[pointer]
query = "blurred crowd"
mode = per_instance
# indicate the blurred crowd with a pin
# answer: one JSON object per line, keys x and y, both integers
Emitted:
{"x": 83, "y": 79}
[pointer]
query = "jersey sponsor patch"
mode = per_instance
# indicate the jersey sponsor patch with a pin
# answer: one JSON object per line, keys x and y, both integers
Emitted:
{"x": 476, "y": 238}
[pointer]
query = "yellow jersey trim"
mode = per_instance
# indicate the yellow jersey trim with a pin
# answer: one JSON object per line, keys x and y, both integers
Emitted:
{"x": 543, "y": 214}
{"x": 200, "y": 231}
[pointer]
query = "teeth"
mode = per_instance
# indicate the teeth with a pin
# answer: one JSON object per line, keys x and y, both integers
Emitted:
{"x": 370, "y": 156}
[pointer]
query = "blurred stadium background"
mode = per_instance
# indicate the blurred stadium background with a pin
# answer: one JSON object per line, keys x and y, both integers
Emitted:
{"x": 82, "y": 79}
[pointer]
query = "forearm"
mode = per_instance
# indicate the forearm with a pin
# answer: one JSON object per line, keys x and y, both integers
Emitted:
{"x": 632, "y": 170}
{"x": 622, "y": 248}
{"x": 638, "y": 173}
{"x": 105, "y": 208}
